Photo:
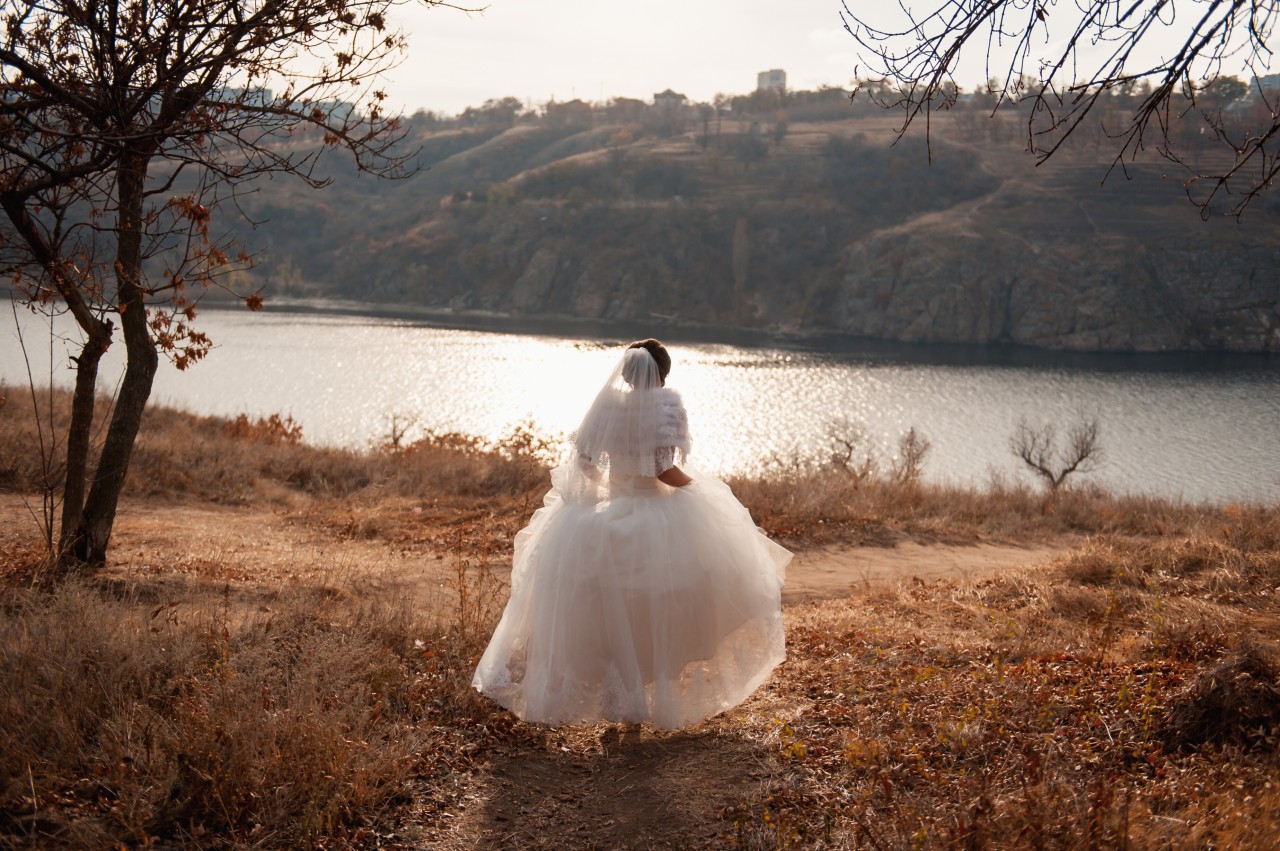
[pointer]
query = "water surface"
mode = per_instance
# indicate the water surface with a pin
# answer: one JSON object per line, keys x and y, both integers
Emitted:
{"x": 1181, "y": 427}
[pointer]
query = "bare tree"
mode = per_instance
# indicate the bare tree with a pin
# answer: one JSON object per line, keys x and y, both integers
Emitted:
{"x": 850, "y": 451}
{"x": 1038, "y": 448}
{"x": 398, "y": 425}
{"x": 1069, "y": 62}
{"x": 123, "y": 125}
{"x": 909, "y": 462}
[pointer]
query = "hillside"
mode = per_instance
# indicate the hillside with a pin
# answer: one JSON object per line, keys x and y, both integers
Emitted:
{"x": 816, "y": 225}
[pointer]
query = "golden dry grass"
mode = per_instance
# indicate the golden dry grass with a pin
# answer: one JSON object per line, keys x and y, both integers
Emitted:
{"x": 1126, "y": 696}
{"x": 296, "y": 716}
{"x": 823, "y": 505}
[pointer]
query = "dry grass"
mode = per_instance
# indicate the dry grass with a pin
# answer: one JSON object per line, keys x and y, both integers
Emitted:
{"x": 822, "y": 505}
{"x": 1124, "y": 697}
{"x": 303, "y": 720}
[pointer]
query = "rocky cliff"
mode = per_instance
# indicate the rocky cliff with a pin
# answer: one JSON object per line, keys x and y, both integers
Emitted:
{"x": 1072, "y": 275}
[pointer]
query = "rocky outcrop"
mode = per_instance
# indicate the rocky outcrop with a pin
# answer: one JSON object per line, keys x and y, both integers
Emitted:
{"x": 935, "y": 285}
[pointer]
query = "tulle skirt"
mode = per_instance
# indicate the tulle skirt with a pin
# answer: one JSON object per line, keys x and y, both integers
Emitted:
{"x": 655, "y": 604}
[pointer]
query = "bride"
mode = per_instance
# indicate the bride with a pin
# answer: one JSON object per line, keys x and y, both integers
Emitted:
{"x": 640, "y": 591}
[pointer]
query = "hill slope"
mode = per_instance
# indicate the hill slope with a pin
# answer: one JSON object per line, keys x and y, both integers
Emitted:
{"x": 812, "y": 227}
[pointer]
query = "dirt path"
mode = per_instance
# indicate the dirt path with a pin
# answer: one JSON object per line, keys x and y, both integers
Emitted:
{"x": 609, "y": 787}
{"x": 259, "y": 547}
{"x": 831, "y": 572}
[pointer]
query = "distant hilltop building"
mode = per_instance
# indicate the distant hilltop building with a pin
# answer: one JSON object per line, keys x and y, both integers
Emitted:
{"x": 774, "y": 80}
{"x": 1269, "y": 83}
{"x": 575, "y": 113}
{"x": 669, "y": 100}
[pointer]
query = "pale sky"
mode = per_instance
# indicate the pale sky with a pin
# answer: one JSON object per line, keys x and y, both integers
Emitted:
{"x": 536, "y": 50}
{"x": 595, "y": 50}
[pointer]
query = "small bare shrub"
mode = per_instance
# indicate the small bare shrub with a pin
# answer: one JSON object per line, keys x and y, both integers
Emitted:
{"x": 850, "y": 452}
{"x": 397, "y": 427}
{"x": 1037, "y": 447}
{"x": 480, "y": 598}
{"x": 909, "y": 462}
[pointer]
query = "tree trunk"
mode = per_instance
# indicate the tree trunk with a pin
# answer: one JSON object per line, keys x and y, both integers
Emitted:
{"x": 94, "y": 529}
{"x": 79, "y": 432}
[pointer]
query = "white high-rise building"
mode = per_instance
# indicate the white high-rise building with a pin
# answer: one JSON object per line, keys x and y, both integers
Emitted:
{"x": 774, "y": 79}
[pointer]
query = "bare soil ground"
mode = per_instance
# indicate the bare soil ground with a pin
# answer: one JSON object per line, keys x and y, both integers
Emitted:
{"x": 603, "y": 786}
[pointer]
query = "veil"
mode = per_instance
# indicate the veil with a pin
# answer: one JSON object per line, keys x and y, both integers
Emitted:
{"x": 636, "y": 427}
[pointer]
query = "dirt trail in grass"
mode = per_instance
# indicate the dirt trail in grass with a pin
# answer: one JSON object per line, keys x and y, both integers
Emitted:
{"x": 609, "y": 787}
{"x": 262, "y": 546}
{"x": 594, "y": 787}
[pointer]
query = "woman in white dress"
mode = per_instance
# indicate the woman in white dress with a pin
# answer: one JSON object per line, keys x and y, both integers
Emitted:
{"x": 640, "y": 591}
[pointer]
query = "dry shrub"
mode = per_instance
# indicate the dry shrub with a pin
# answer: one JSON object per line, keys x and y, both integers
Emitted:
{"x": 318, "y": 470}
{"x": 1235, "y": 701}
{"x": 271, "y": 429}
{"x": 464, "y": 465}
{"x": 122, "y": 723}
{"x": 479, "y": 594}
{"x": 177, "y": 454}
{"x": 1253, "y": 528}
{"x": 239, "y": 461}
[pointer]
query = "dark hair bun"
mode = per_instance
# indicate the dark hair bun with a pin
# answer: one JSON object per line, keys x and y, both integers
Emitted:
{"x": 659, "y": 353}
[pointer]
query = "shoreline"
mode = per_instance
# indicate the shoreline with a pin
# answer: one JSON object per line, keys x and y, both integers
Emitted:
{"x": 838, "y": 344}
{"x": 834, "y": 343}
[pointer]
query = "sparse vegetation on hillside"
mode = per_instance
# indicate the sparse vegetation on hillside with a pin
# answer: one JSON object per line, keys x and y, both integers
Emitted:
{"x": 790, "y": 211}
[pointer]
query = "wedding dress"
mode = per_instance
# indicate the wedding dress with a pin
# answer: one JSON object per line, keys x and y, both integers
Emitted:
{"x": 631, "y": 600}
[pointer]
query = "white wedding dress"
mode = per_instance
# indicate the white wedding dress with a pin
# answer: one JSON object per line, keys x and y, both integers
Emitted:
{"x": 634, "y": 601}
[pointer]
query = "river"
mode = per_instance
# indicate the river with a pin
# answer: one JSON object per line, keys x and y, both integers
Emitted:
{"x": 1201, "y": 428}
